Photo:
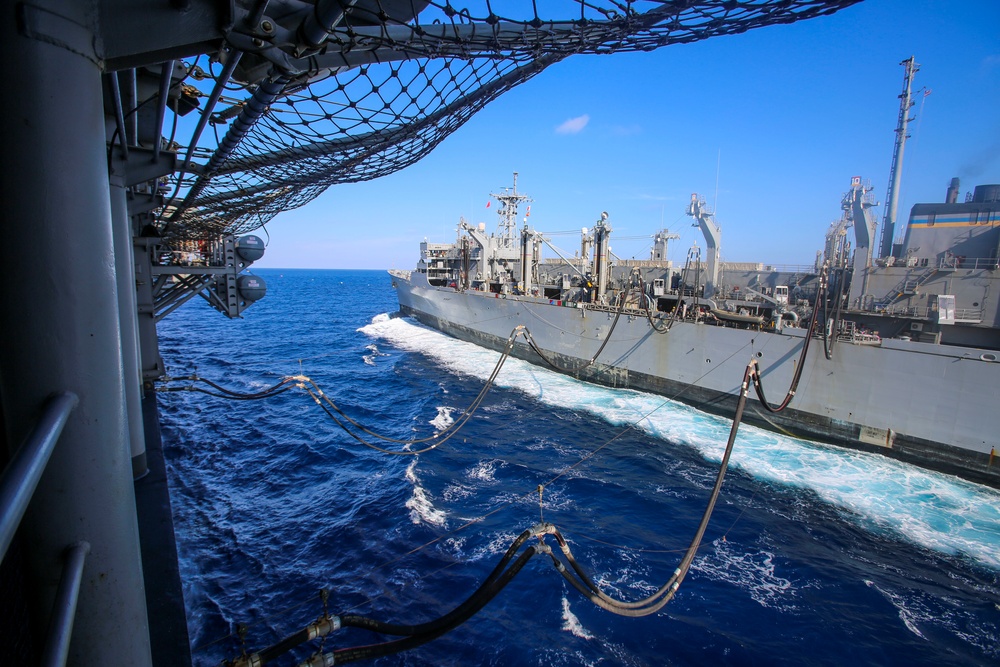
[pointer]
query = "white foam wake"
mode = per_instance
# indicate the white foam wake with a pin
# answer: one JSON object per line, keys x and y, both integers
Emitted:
{"x": 933, "y": 510}
{"x": 572, "y": 624}
{"x": 443, "y": 419}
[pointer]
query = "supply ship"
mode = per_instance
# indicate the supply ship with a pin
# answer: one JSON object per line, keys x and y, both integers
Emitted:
{"x": 907, "y": 353}
{"x": 117, "y": 210}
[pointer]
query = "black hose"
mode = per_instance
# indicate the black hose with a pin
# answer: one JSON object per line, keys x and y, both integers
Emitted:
{"x": 322, "y": 400}
{"x": 419, "y": 634}
{"x": 757, "y": 381}
{"x": 437, "y": 438}
{"x": 677, "y": 306}
{"x": 653, "y": 603}
{"x": 623, "y": 297}
{"x": 579, "y": 369}
{"x": 457, "y": 423}
{"x": 469, "y": 609}
{"x": 273, "y": 390}
{"x": 354, "y": 621}
{"x": 828, "y": 345}
{"x": 227, "y": 396}
{"x": 415, "y": 635}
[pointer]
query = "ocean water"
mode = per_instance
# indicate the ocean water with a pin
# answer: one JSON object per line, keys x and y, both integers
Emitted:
{"x": 815, "y": 554}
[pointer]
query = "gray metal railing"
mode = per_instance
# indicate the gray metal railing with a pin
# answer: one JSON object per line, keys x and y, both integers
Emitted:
{"x": 19, "y": 479}
{"x": 17, "y": 486}
{"x": 64, "y": 607}
{"x": 960, "y": 262}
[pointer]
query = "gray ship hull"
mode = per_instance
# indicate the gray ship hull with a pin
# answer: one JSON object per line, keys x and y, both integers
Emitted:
{"x": 926, "y": 404}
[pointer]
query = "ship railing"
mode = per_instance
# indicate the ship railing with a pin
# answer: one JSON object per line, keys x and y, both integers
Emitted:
{"x": 969, "y": 315}
{"x": 962, "y": 262}
{"x": 905, "y": 311}
{"x": 627, "y": 310}
{"x": 17, "y": 486}
{"x": 962, "y": 315}
{"x": 790, "y": 268}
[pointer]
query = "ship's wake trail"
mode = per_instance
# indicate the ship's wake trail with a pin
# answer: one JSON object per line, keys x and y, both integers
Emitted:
{"x": 933, "y": 510}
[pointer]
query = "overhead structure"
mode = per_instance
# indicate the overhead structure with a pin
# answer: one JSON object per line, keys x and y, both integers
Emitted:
{"x": 342, "y": 92}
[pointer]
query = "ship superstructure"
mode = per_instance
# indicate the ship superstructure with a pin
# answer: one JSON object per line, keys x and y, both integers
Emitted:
{"x": 907, "y": 362}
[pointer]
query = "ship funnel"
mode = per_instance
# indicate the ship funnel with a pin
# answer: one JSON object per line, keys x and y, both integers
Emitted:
{"x": 952, "y": 196}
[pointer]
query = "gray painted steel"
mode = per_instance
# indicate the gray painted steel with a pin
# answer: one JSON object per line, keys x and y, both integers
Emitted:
{"x": 128, "y": 320}
{"x": 928, "y": 404}
{"x": 64, "y": 609}
{"x": 60, "y": 288}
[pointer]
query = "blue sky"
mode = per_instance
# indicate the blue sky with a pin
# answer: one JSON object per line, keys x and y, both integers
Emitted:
{"x": 769, "y": 126}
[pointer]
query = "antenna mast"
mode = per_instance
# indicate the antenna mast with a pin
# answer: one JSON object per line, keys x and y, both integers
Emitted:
{"x": 509, "y": 200}
{"x": 896, "y": 173}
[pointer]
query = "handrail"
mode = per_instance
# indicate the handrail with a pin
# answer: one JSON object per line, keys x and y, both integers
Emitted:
{"x": 19, "y": 479}
{"x": 64, "y": 607}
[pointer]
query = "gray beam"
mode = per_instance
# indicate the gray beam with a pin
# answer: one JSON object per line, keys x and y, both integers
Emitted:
{"x": 127, "y": 316}
{"x": 178, "y": 31}
{"x": 64, "y": 610}
{"x": 61, "y": 328}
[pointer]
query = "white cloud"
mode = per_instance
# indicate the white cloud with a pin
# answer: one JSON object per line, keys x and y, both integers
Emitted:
{"x": 573, "y": 125}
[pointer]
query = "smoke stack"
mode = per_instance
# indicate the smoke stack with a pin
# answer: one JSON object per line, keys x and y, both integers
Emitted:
{"x": 952, "y": 196}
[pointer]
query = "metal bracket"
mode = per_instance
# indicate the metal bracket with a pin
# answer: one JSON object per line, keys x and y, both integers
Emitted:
{"x": 142, "y": 165}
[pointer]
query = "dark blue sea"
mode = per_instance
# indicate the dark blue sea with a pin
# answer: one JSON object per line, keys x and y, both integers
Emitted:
{"x": 815, "y": 555}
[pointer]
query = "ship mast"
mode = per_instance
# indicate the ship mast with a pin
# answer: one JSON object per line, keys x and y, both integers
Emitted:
{"x": 509, "y": 200}
{"x": 896, "y": 172}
